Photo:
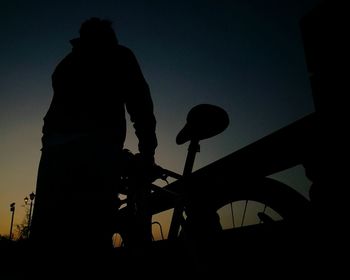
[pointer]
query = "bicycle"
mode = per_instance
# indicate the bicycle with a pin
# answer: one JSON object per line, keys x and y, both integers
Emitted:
{"x": 196, "y": 197}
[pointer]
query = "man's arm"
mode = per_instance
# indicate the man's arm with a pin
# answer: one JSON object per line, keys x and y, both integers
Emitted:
{"x": 139, "y": 105}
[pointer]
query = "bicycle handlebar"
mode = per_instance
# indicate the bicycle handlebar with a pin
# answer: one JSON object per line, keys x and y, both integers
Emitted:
{"x": 163, "y": 173}
{"x": 132, "y": 169}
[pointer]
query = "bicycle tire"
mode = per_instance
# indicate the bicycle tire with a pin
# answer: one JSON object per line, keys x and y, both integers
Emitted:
{"x": 292, "y": 206}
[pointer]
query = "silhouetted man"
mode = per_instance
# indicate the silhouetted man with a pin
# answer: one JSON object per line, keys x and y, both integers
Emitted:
{"x": 83, "y": 137}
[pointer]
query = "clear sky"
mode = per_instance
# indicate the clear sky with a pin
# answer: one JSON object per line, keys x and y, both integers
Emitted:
{"x": 245, "y": 56}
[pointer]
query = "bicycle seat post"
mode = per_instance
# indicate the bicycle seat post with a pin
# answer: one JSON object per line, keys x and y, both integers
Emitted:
{"x": 193, "y": 148}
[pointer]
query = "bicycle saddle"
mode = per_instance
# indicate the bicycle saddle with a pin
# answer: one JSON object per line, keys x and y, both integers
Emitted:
{"x": 203, "y": 121}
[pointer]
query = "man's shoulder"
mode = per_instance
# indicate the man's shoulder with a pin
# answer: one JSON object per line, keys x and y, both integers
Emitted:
{"x": 125, "y": 51}
{"x": 64, "y": 62}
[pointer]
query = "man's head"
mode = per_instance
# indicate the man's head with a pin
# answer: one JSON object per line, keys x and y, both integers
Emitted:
{"x": 97, "y": 31}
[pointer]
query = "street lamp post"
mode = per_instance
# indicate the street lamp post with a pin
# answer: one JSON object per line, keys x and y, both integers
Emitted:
{"x": 12, "y": 209}
{"x": 31, "y": 196}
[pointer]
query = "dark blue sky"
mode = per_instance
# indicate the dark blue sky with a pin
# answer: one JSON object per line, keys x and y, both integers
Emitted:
{"x": 245, "y": 56}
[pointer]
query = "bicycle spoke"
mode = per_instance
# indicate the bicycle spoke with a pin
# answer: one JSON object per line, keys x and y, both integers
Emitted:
{"x": 244, "y": 212}
{"x": 233, "y": 216}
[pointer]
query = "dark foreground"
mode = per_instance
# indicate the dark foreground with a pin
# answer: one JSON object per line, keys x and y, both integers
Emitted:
{"x": 274, "y": 251}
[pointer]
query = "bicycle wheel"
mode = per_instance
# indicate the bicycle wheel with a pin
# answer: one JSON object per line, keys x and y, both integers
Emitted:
{"x": 264, "y": 225}
{"x": 260, "y": 201}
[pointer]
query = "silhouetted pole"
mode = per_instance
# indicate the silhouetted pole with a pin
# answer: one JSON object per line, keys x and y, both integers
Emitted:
{"x": 12, "y": 209}
{"x": 31, "y": 196}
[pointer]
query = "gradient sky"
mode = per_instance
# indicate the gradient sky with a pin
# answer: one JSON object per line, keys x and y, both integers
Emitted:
{"x": 245, "y": 56}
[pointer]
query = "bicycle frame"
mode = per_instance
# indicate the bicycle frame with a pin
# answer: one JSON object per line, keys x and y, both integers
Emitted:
{"x": 278, "y": 151}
